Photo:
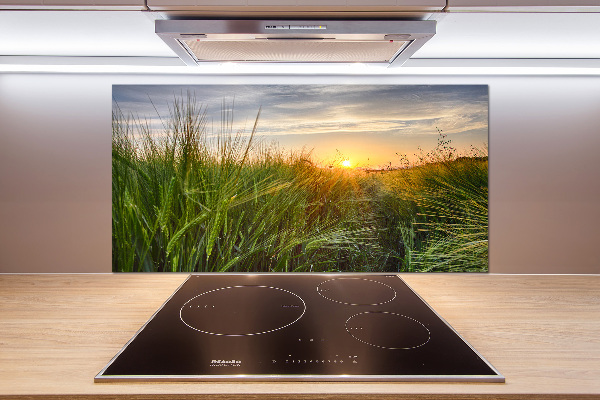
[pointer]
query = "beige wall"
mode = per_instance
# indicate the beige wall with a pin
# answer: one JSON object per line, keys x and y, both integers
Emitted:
{"x": 55, "y": 168}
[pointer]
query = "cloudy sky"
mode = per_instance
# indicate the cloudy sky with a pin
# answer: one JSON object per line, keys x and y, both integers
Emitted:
{"x": 365, "y": 124}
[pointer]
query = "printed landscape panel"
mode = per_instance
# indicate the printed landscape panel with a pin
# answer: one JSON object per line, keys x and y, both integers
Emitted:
{"x": 300, "y": 178}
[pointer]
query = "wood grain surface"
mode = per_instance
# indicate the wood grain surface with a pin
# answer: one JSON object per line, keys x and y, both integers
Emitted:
{"x": 542, "y": 332}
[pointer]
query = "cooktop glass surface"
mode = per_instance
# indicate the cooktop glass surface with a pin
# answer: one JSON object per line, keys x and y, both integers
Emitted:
{"x": 297, "y": 327}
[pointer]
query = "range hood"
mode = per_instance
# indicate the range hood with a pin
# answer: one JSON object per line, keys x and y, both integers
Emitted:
{"x": 386, "y": 42}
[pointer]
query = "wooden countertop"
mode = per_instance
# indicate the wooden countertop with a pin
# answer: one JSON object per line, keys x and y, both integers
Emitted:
{"x": 542, "y": 332}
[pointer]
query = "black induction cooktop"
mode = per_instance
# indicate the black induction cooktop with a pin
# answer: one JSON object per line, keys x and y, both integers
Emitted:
{"x": 312, "y": 327}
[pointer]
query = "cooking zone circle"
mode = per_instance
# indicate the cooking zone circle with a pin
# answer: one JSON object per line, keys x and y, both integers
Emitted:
{"x": 356, "y": 291}
{"x": 242, "y": 310}
{"x": 388, "y": 330}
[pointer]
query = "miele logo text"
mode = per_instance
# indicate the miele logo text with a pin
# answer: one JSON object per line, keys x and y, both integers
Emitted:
{"x": 225, "y": 363}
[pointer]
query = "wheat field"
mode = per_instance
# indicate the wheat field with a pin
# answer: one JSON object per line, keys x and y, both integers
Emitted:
{"x": 194, "y": 200}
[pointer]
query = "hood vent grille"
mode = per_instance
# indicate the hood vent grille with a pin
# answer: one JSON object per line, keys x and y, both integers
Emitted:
{"x": 305, "y": 50}
{"x": 385, "y": 42}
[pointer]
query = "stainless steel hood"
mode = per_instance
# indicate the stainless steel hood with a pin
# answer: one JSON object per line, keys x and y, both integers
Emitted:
{"x": 387, "y": 42}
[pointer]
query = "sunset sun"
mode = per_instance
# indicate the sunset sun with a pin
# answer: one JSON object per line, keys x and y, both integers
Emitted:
{"x": 346, "y": 163}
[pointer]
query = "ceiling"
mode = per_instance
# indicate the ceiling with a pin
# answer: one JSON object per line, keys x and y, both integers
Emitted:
{"x": 29, "y": 36}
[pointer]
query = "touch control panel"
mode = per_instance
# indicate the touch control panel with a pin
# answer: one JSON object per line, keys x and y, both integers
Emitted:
{"x": 307, "y": 27}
